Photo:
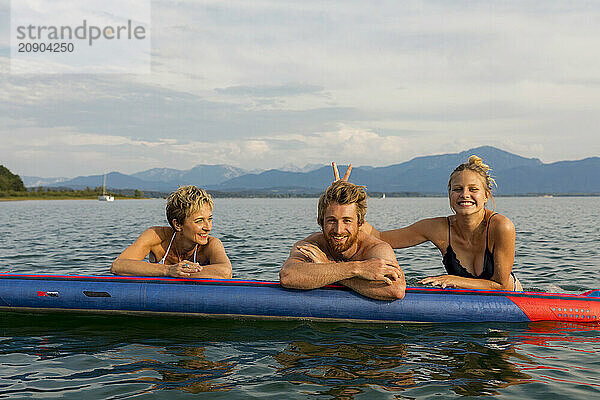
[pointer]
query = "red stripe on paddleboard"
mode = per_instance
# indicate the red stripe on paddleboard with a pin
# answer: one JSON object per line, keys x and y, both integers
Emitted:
{"x": 136, "y": 278}
{"x": 531, "y": 295}
{"x": 145, "y": 278}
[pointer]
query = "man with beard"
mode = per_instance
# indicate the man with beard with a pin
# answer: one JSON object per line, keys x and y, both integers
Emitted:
{"x": 341, "y": 253}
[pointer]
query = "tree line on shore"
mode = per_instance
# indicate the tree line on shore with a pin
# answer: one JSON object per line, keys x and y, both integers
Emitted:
{"x": 11, "y": 186}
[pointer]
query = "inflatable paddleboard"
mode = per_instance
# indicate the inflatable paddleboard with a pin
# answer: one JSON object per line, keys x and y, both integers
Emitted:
{"x": 267, "y": 300}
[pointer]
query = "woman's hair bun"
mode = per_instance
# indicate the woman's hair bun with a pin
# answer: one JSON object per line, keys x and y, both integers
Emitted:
{"x": 478, "y": 162}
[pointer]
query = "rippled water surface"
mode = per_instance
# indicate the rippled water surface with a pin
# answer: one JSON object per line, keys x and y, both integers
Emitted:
{"x": 62, "y": 356}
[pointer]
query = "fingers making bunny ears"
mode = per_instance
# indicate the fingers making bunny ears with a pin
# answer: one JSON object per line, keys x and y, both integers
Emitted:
{"x": 336, "y": 174}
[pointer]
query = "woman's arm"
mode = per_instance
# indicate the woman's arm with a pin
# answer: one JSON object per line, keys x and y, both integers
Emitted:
{"x": 453, "y": 281}
{"x": 131, "y": 260}
{"x": 502, "y": 240}
{"x": 219, "y": 266}
{"x": 412, "y": 235}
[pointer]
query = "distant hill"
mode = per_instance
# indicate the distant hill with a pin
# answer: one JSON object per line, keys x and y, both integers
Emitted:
{"x": 156, "y": 179}
{"x": 430, "y": 174}
{"x": 201, "y": 175}
{"x": 426, "y": 175}
{"x": 115, "y": 180}
{"x": 34, "y": 181}
{"x": 159, "y": 175}
{"x": 582, "y": 176}
{"x": 289, "y": 167}
{"x": 313, "y": 181}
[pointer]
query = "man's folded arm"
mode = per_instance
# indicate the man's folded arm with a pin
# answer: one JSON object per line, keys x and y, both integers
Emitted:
{"x": 378, "y": 290}
{"x": 378, "y": 277}
{"x": 393, "y": 289}
{"x": 298, "y": 273}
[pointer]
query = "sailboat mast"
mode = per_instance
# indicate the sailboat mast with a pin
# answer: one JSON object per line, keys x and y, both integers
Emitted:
{"x": 104, "y": 196}
{"x": 104, "y": 185}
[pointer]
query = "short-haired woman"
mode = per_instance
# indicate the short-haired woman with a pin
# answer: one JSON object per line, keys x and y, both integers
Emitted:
{"x": 183, "y": 249}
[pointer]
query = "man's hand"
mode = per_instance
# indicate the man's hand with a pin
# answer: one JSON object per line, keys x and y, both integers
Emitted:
{"x": 336, "y": 174}
{"x": 313, "y": 253}
{"x": 379, "y": 269}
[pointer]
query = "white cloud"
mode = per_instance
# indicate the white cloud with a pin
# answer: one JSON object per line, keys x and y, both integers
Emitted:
{"x": 264, "y": 83}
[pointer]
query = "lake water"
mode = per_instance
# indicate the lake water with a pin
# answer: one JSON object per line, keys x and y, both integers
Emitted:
{"x": 74, "y": 357}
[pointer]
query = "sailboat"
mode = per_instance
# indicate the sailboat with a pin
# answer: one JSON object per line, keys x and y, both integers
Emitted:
{"x": 104, "y": 196}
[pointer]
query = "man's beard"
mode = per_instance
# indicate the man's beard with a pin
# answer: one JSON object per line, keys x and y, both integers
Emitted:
{"x": 342, "y": 247}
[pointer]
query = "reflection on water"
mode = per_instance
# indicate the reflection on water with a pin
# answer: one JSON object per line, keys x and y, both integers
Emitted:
{"x": 192, "y": 373}
{"x": 473, "y": 369}
{"x": 563, "y": 352}
{"x": 91, "y": 355}
{"x": 347, "y": 368}
{"x": 479, "y": 366}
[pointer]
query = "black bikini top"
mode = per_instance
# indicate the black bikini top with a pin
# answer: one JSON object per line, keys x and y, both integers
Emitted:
{"x": 453, "y": 266}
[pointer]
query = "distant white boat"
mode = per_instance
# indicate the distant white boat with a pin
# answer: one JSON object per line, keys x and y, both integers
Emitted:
{"x": 104, "y": 196}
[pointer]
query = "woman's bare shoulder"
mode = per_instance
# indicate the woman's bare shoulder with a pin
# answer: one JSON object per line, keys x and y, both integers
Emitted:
{"x": 501, "y": 224}
{"x": 214, "y": 242}
{"x": 156, "y": 234}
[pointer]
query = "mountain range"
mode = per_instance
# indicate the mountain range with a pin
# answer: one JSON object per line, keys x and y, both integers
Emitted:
{"x": 425, "y": 175}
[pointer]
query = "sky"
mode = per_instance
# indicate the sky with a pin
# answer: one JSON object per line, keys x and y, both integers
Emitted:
{"x": 259, "y": 84}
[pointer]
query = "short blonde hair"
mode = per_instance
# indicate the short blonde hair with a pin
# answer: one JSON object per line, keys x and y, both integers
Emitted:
{"x": 185, "y": 201}
{"x": 342, "y": 192}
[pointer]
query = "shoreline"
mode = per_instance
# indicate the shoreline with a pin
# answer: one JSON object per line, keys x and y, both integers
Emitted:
{"x": 233, "y": 196}
{"x": 24, "y": 198}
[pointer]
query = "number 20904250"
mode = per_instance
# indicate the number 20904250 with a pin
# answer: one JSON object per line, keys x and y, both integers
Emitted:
{"x": 46, "y": 47}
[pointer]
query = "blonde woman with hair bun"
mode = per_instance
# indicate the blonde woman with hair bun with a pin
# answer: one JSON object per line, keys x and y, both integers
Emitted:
{"x": 184, "y": 249}
{"x": 477, "y": 244}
